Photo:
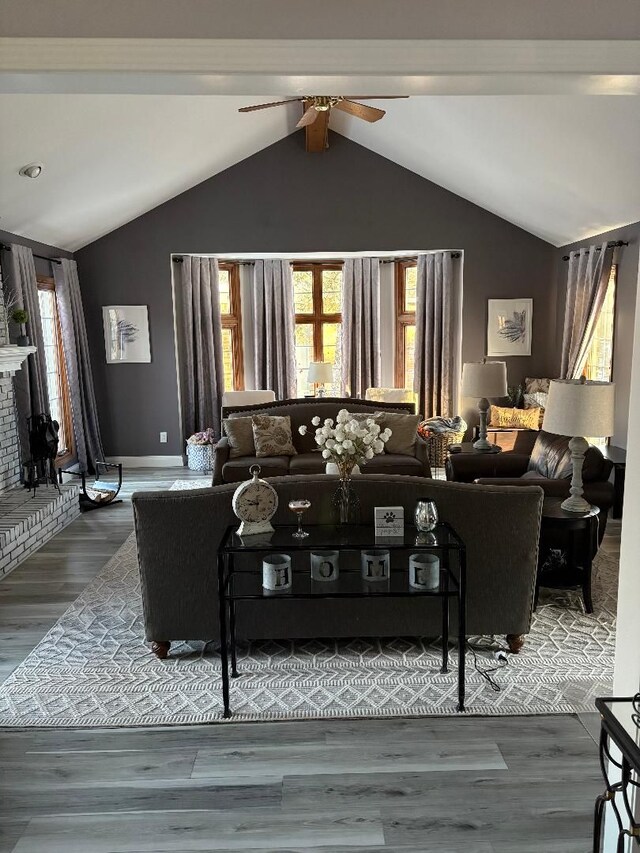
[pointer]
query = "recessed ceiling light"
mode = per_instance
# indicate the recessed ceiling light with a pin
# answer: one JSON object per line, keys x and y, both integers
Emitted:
{"x": 33, "y": 170}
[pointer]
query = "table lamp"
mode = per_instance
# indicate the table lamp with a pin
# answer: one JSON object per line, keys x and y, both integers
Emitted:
{"x": 484, "y": 379}
{"x": 319, "y": 373}
{"x": 577, "y": 408}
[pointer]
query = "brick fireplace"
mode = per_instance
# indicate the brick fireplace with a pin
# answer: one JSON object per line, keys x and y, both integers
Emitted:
{"x": 26, "y": 521}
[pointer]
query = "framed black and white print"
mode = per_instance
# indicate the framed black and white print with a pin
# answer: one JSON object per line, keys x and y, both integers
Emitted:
{"x": 126, "y": 334}
{"x": 509, "y": 327}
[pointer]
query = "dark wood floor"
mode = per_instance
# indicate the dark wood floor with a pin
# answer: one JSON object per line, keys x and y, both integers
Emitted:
{"x": 472, "y": 785}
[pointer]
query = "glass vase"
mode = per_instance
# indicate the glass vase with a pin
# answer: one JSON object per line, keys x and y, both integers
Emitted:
{"x": 345, "y": 499}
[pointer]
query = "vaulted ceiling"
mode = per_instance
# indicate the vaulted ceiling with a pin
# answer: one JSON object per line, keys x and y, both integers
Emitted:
{"x": 562, "y": 167}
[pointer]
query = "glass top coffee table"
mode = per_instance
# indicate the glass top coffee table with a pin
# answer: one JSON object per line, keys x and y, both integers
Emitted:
{"x": 241, "y": 579}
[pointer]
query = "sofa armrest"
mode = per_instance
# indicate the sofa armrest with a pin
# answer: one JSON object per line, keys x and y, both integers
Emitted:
{"x": 468, "y": 467}
{"x": 220, "y": 456}
{"x": 422, "y": 454}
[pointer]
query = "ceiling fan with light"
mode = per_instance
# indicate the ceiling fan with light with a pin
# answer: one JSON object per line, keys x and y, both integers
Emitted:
{"x": 316, "y": 111}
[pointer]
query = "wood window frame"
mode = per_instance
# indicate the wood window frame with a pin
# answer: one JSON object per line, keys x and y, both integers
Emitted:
{"x": 317, "y": 318}
{"x": 233, "y": 321}
{"x": 403, "y": 319}
{"x": 48, "y": 283}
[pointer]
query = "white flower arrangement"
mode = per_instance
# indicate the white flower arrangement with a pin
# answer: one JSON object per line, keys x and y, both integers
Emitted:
{"x": 348, "y": 442}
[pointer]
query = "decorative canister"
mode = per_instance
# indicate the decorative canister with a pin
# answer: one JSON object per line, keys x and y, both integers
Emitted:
{"x": 375, "y": 565}
{"x": 200, "y": 457}
{"x": 425, "y": 515}
{"x": 276, "y": 572}
{"x": 325, "y": 566}
{"x": 424, "y": 571}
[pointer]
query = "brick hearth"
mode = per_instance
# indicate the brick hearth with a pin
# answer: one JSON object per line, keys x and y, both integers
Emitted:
{"x": 26, "y": 522}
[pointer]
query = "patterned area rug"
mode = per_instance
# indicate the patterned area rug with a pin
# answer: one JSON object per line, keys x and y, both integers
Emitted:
{"x": 93, "y": 668}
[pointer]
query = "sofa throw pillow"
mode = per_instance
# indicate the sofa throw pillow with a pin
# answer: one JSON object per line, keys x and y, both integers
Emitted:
{"x": 514, "y": 418}
{"x": 272, "y": 435}
{"x": 239, "y": 431}
{"x": 537, "y": 400}
{"x": 404, "y": 432}
{"x": 532, "y": 386}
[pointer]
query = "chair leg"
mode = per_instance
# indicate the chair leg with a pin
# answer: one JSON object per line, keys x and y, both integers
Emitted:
{"x": 160, "y": 648}
{"x": 515, "y": 642}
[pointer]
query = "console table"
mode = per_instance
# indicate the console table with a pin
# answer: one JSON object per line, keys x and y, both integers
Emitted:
{"x": 244, "y": 582}
{"x": 620, "y": 725}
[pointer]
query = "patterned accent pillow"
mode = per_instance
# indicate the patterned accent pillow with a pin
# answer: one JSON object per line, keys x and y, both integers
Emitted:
{"x": 514, "y": 418}
{"x": 536, "y": 400}
{"x": 533, "y": 386}
{"x": 272, "y": 435}
{"x": 239, "y": 431}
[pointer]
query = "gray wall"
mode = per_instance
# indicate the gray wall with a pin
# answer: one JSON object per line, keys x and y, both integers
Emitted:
{"x": 627, "y": 285}
{"x": 285, "y": 200}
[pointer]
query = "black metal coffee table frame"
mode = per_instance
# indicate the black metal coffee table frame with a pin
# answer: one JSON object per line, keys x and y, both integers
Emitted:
{"x": 245, "y": 584}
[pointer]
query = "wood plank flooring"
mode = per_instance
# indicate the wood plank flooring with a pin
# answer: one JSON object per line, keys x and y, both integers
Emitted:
{"x": 470, "y": 785}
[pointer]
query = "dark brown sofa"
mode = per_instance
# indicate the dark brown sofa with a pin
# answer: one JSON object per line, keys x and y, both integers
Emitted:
{"x": 178, "y": 534}
{"x": 548, "y": 465}
{"x": 308, "y": 459}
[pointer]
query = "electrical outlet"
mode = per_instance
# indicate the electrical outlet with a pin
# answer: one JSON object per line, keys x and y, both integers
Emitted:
{"x": 163, "y": 438}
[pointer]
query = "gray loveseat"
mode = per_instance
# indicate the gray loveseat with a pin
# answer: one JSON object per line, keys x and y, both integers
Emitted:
{"x": 178, "y": 534}
{"x": 308, "y": 459}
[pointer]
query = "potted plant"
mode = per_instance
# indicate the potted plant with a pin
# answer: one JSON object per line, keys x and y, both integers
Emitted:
{"x": 200, "y": 450}
{"x": 21, "y": 318}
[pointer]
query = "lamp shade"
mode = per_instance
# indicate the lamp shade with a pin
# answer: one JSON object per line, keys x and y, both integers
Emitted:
{"x": 578, "y": 408}
{"x": 484, "y": 379}
{"x": 320, "y": 371}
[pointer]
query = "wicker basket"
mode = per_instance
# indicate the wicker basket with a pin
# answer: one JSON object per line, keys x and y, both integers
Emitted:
{"x": 438, "y": 446}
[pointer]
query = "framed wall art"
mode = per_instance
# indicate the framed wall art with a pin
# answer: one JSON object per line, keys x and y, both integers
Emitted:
{"x": 509, "y": 327}
{"x": 126, "y": 334}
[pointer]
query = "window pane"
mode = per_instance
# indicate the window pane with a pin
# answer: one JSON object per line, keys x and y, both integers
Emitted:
{"x": 410, "y": 280}
{"x": 53, "y": 357}
{"x": 331, "y": 353}
{"x": 599, "y": 361}
{"x": 224, "y": 288}
{"x": 304, "y": 355}
{"x": 227, "y": 359}
{"x": 331, "y": 291}
{"x": 409, "y": 355}
{"x": 303, "y": 291}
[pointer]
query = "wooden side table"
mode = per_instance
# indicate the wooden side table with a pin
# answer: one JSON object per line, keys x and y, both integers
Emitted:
{"x": 618, "y": 456}
{"x": 568, "y": 544}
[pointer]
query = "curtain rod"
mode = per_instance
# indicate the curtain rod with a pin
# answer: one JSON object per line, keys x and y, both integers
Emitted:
{"x": 6, "y": 248}
{"x": 179, "y": 259}
{"x": 613, "y": 244}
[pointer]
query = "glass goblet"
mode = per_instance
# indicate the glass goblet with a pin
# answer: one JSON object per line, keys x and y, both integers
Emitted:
{"x": 299, "y": 506}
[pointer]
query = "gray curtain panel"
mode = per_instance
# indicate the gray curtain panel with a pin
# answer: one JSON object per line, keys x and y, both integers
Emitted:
{"x": 199, "y": 339}
{"x": 86, "y": 428}
{"x": 587, "y": 280}
{"x": 30, "y": 384}
{"x": 274, "y": 328}
{"x": 436, "y": 333}
{"x": 360, "y": 327}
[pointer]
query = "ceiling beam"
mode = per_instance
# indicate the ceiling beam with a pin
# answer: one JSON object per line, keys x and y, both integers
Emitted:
{"x": 317, "y": 66}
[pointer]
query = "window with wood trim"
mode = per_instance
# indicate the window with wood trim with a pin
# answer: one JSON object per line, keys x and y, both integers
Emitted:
{"x": 231, "y": 315}
{"x": 57, "y": 384}
{"x": 599, "y": 363}
{"x": 406, "y": 281}
{"x": 317, "y": 293}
